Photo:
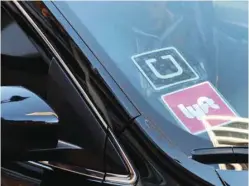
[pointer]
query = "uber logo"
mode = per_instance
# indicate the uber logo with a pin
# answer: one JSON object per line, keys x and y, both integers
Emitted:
{"x": 164, "y": 67}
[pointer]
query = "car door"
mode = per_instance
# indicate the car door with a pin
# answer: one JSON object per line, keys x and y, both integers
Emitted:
{"x": 25, "y": 63}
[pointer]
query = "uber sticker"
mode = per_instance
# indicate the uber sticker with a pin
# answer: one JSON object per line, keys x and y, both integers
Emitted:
{"x": 191, "y": 104}
{"x": 164, "y": 67}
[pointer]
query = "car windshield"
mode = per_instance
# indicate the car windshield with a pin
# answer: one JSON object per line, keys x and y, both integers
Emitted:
{"x": 187, "y": 62}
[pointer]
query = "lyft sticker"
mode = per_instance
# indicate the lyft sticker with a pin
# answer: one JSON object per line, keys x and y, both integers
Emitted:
{"x": 190, "y": 105}
{"x": 164, "y": 67}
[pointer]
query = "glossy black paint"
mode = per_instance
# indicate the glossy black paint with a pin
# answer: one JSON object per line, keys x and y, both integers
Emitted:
{"x": 115, "y": 163}
{"x": 25, "y": 119}
{"x": 154, "y": 166}
{"x": 20, "y": 104}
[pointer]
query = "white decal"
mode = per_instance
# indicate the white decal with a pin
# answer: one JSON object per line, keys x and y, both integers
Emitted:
{"x": 164, "y": 67}
{"x": 200, "y": 109}
{"x": 158, "y": 74}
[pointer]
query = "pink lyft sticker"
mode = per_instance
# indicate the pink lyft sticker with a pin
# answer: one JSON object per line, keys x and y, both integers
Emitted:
{"x": 191, "y": 104}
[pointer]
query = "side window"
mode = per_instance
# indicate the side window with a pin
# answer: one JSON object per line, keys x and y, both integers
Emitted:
{"x": 78, "y": 126}
{"x": 23, "y": 64}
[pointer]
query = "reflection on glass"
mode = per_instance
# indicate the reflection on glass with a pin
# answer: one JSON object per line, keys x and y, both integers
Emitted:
{"x": 232, "y": 134}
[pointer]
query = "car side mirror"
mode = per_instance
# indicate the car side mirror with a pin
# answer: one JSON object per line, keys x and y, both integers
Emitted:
{"x": 27, "y": 123}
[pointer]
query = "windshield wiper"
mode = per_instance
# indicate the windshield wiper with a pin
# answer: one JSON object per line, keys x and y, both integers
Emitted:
{"x": 221, "y": 155}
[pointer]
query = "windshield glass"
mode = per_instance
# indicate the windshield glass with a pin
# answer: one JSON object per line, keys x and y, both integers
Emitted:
{"x": 187, "y": 61}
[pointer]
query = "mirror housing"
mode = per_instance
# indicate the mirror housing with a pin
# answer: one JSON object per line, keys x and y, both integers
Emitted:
{"x": 27, "y": 123}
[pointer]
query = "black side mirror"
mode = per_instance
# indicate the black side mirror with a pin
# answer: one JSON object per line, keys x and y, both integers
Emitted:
{"x": 27, "y": 123}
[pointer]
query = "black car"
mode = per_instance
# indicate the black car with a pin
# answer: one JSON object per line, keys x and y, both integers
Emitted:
{"x": 124, "y": 93}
